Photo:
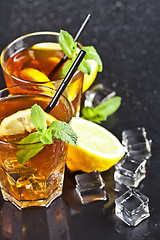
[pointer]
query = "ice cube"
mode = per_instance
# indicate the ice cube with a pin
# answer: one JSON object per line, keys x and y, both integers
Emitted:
{"x": 90, "y": 187}
{"x": 96, "y": 95}
{"x": 120, "y": 188}
{"x": 130, "y": 171}
{"x": 140, "y": 150}
{"x": 132, "y": 207}
{"x": 130, "y": 137}
{"x": 136, "y": 143}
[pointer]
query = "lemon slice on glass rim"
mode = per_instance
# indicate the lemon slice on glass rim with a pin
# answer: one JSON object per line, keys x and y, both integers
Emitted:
{"x": 89, "y": 79}
{"x": 97, "y": 149}
{"x": 20, "y": 122}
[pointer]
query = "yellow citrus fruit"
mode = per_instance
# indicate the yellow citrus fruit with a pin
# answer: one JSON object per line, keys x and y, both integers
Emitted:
{"x": 89, "y": 79}
{"x": 46, "y": 46}
{"x": 33, "y": 75}
{"x": 20, "y": 122}
{"x": 97, "y": 149}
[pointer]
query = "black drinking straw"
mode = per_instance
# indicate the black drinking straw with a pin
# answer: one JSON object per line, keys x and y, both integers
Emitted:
{"x": 54, "y": 70}
{"x": 65, "y": 81}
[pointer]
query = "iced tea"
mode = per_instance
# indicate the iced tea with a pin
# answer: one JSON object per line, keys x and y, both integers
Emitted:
{"x": 31, "y": 58}
{"x": 40, "y": 179}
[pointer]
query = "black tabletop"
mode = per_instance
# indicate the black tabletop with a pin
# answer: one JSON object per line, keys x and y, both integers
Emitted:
{"x": 127, "y": 36}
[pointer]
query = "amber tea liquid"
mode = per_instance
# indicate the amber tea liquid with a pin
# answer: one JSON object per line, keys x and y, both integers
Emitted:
{"x": 43, "y": 60}
{"x": 39, "y": 180}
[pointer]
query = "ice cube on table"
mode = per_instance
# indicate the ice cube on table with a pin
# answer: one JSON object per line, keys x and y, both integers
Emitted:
{"x": 132, "y": 207}
{"x": 120, "y": 188}
{"x": 96, "y": 95}
{"x": 90, "y": 187}
{"x": 130, "y": 171}
{"x": 136, "y": 143}
{"x": 133, "y": 136}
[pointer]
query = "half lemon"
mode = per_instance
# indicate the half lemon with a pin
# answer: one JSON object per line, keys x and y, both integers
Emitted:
{"x": 97, "y": 149}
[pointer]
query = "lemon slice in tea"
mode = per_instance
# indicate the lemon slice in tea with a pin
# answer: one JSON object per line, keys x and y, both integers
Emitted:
{"x": 97, "y": 149}
{"x": 47, "y": 45}
{"x": 34, "y": 75}
{"x": 20, "y": 122}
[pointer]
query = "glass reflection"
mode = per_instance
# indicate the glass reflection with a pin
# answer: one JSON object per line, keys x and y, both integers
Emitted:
{"x": 35, "y": 223}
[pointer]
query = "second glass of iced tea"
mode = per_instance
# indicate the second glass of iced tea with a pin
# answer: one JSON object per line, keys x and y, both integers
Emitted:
{"x": 31, "y": 58}
{"x": 38, "y": 181}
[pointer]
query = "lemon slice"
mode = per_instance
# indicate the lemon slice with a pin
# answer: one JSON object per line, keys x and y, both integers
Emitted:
{"x": 46, "y": 46}
{"x": 33, "y": 75}
{"x": 97, "y": 149}
{"x": 89, "y": 79}
{"x": 20, "y": 122}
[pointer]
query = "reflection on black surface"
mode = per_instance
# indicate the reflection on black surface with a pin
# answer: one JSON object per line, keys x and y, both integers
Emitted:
{"x": 11, "y": 222}
{"x": 131, "y": 233}
{"x": 92, "y": 209}
{"x": 35, "y": 223}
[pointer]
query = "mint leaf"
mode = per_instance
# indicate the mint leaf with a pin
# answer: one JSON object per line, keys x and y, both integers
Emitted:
{"x": 38, "y": 118}
{"x": 91, "y": 53}
{"x": 109, "y": 106}
{"x": 31, "y": 138}
{"x": 74, "y": 49}
{"x": 67, "y": 44}
{"x": 28, "y": 151}
{"x": 90, "y": 114}
{"x": 103, "y": 110}
{"x": 64, "y": 132}
{"x": 84, "y": 67}
{"x": 62, "y": 73}
{"x": 46, "y": 138}
{"x": 34, "y": 142}
{"x": 69, "y": 47}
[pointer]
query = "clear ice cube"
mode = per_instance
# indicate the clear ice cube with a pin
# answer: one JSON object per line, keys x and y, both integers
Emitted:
{"x": 120, "y": 188}
{"x": 132, "y": 207}
{"x": 90, "y": 187}
{"x": 136, "y": 143}
{"x": 130, "y": 137}
{"x": 130, "y": 171}
{"x": 96, "y": 95}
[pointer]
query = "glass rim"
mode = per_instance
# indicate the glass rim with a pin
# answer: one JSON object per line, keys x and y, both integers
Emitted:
{"x": 42, "y": 86}
{"x": 19, "y": 39}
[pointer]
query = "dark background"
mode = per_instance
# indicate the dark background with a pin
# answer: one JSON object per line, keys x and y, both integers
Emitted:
{"x": 126, "y": 34}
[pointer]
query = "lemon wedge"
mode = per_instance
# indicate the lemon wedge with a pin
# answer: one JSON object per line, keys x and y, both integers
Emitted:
{"x": 97, "y": 149}
{"x": 47, "y": 46}
{"x": 20, "y": 122}
{"x": 89, "y": 79}
{"x": 34, "y": 75}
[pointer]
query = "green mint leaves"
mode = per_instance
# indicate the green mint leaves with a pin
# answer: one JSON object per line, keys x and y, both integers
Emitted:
{"x": 67, "y": 44}
{"x": 38, "y": 118}
{"x": 69, "y": 47}
{"x": 28, "y": 151}
{"x": 35, "y": 142}
{"x": 103, "y": 110}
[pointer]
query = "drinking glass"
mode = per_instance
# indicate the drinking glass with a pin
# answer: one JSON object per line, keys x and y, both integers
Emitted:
{"x": 31, "y": 58}
{"x": 38, "y": 181}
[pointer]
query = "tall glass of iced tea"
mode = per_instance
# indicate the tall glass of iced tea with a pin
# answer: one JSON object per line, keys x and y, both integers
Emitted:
{"x": 38, "y": 181}
{"x": 31, "y": 58}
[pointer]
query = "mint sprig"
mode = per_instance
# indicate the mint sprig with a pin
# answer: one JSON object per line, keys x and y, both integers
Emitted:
{"x": 103, "y": 110}
{"x": 70, "y": 48}
{"x": 36, "y": 141}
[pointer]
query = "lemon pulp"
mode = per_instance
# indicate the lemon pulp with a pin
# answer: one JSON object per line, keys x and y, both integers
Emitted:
{"x": 98, "y": 149}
